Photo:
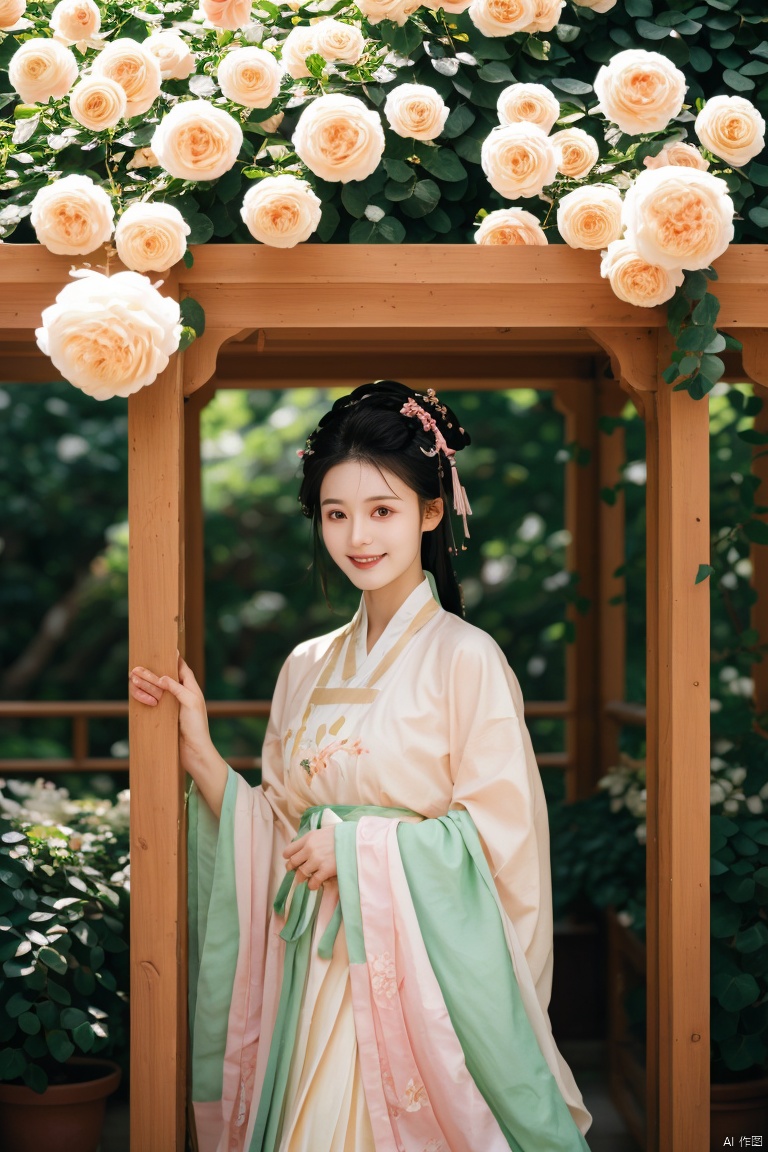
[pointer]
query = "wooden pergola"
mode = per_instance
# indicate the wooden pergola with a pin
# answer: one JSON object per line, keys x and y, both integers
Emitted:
{"x": 450, "y": 317}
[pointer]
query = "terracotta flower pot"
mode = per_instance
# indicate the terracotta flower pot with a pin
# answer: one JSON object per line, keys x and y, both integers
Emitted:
{"x": 67, "y": 1117}
{"x": 737, "y": 1110}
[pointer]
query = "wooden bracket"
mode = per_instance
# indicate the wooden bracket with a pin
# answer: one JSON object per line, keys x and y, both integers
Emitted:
{"x": 633, "y": 353}
{"x": 201, "y": 356}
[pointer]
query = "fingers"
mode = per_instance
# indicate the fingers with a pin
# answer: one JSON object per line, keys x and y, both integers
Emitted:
{"x": 149, "y": 688}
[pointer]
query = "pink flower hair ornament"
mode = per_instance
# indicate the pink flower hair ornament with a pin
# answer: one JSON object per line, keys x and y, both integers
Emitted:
{"x": 429, "y": 424}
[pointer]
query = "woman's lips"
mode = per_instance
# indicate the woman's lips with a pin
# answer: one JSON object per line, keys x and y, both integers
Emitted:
{"x": 367, "y": 563}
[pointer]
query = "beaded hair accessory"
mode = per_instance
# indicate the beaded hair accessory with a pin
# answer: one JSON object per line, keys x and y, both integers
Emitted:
{"x": 429, "y": 424}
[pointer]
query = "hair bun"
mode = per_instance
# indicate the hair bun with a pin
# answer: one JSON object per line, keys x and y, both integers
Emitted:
{"x": 391, "y": 395}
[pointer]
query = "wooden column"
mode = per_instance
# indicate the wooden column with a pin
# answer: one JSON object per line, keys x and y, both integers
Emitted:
{"x": 158, "y": 847}
{"x": 194, "y": 561}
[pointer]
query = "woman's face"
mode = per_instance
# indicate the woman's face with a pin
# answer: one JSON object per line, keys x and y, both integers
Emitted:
{"x": 367, "y": 513}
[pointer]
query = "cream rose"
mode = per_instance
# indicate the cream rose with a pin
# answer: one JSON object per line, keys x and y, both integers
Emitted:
{"x": 640, "y": 91}
{"x": 110, "y": 335}
{"x": 679, "y": 217}
{"x": 502, "y": 17}
{"x": 42, "y": 69}
{"x": 228, "y": 14}
{"x": 136, "y": 71}
{"x": 590, "y": 217}
{"x": 731, "y": 128}
{"x": 172, "y": 53}
{"x": 197, "y": 141}
{"x": 151, "y": 237}
{"x": 679, "y": 155}
{"x": 546, "y": 15}
{"x": 529, "y": 103}
{"x": 510, "y": 226}
{"x": 73, "y": 216}
{"x": 577, "y": 152}
{"x": 143, "y": 158}
{"x": 11, "y": 11}
{"x": 335, "y": 40}
{"x": 416, "y": 111}
{"x": 377, "y": 10}
{"x": 281, "y": 211}
{"x": 272, "y": 123}
{"x": 98, "y": 103}
{"x": 596, "y": 5}
{"x": 338, "y": 138}
{"x": 250, "y": 76}
{"x": 518, "y": 160}
{"x": 76, "y": 22}
{"x": 455, "y": 6}
{"x": 298, "y": 44}
{"x": 634, "y": 279}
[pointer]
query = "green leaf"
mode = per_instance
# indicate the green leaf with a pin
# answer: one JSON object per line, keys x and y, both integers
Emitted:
{"x": 426, "y": 196}
{"x": 689, "y": 364}
{"x": 12, "y": 1063}
{"x": 442, "y": 163}
{"x": 758, "y": 173}
{"x": 704, "y": 571}
{"x": 404, "y": 39}
{"x": 536, "y": 48}
{"x": 188, "y": 336}
{"x": 53, "y": 960}
{"x": 392, "y": 230}
{"x": 701, "y": 61}
{"x": 459, "y": 120}
{"x": 716, "y": 344}
{"x": 469, "y": 148}
{"x": 316, "y": 65}
{"x": 29, "y": 1023}
{"x": 17, "y": 1004}
{"x": 759, "y": 216}
{"x": 48, "y": 1013}
{"x": 35, "y": 1078}
{"x": 496, "y": 72}
{"x": 72, "y": 1018}
{"x": 735, "y": 991}
{"x": 398, "y": 170}
{"x": 329, "y": 221}
{"x": 193, "y": 315}
{"x": 694, "y": 339}
{"x": 58, "y": 993}
{"x": 712, "y": 367}
{"x": 694, "y": 285}
{"x": 84, "y": 1037}
{"x": 650, "y": 31}
{"x": 737, "y": 82}
{"x": 188, "y": 259}
{"x": 355, "y": 197}
{"x": 573, "y": 87}
{"x": 639, "y": 7}
{"x": 756, "y": 531}
{"x": 706, "y": 311}
{"x": 752, "y": 938}
{"x": 59, "y": 1045}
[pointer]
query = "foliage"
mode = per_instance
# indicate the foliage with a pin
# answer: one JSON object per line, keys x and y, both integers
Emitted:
{"x": 63, "y": 933}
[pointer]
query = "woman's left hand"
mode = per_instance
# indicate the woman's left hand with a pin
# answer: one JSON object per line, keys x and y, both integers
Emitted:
{"x": 313, "y": 856}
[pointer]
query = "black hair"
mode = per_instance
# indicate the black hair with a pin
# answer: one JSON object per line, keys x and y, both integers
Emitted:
{"x": 375, "y": 432}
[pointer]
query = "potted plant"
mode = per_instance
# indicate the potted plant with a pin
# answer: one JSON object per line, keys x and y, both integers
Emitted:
{"x": 64, "y": 979}
{"x": 598, "y": 857}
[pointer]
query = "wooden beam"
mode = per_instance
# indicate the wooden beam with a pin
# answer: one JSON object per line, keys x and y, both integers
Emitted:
{"x": 158, "y": 843}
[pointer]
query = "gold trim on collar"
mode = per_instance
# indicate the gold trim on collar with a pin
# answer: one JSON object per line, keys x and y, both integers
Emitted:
{"x": 344, "y": 695}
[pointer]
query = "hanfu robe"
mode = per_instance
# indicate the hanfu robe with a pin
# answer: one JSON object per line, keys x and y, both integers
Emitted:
{"x": 403, "y": 1006}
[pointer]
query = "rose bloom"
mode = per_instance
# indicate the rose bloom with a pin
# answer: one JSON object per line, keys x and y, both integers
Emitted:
{"x": 272, "y": 123}
{"x": 678, "y": 154}
{"x": 532, "y": 103}
{"x": 98, "y": 103}
{"x": 335, "y": 40}
{"x": 281, "y": 211}
{"x": 110, "y": 335}
{"x": 577, "y": 152}
{"x": 73, "y": 216}
{"x": 679, "y": 217}
{"x": 640, "y": 91}
{"x": 228, "y": 14}
{"x": 197, "y": 141}
{"x": 151, "y": 237}
{"x": 502, "y": 17}
{"x": 377, "y": 10}
{"x": 518, "y": 160}
{"x": 11, "y": 11}
{"x": 546, "y": 15}
{"x": 298, "y": 44}
{"x": 634, "y": 279}
{"x": 590, "y": 217}
{"x": 136, "y": 71}
{"x": 42, "y": 69}
{"x": 416, "y": 111}
{"x": 250, "y": 76}
{"x": 453, "y": 6}
{"x": 338, "y": 138}
{"x": 596, "y": 5}
{"x": 143, "y": 158}
{"x": 76, "y": 22}
{"x": 172, "y": 53}
{"x": 510, "y": 226}
{"x": 732, "y": 128}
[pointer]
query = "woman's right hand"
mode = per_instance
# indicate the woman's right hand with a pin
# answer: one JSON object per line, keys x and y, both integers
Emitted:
{"x": 195, "y": 744}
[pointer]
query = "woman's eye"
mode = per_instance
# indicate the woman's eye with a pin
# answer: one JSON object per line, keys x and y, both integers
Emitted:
{"x": 387, "y": 510}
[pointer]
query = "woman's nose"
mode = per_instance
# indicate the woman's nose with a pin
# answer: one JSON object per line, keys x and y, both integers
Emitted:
{"x": 361, "y": 532}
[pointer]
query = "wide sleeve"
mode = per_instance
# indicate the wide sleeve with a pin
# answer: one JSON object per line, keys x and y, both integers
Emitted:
{"x": 497, "y": 781}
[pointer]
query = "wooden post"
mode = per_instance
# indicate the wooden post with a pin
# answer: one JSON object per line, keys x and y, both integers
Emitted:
{"x": 194, "y": 561}
{"x": 158, "y": 856}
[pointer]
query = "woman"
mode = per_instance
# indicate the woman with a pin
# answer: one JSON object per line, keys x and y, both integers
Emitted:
{"x": 371, "y": 928}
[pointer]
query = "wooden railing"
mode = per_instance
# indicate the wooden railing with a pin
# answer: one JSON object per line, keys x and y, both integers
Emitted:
{"x": 81, "y": 712}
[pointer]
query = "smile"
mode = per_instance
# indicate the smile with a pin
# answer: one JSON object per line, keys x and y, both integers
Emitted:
{"x": 366, "y": 561}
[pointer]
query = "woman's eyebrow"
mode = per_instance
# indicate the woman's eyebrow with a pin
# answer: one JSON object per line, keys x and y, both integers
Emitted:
{"x": 368, "y": 499}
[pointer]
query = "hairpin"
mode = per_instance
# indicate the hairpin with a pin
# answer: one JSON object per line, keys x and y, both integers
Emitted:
{"x": 428, "y": 422}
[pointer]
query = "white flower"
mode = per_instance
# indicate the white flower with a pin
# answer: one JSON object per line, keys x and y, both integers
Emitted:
{"x": 250, "y": 76}
{"x": 590, "y": 217}
{"x": 110, "y": 336}
{"x": 397, "y": 10}
{"x": 546, "y": 15}
{"x": 679, "y": 217}
{"x": 677, "y": 154}
{"x": 272, "y": 123}
{"x": 335, "y": 40}
{"x": 76, "y": 22}
{"x": 151, "y": 237}
{"x": 596, "y": 5}
{"x": 73, "y": 216}
{"x": 143, "y": 158}
{"x": 136, "y": 71}
{"x": 338, "y": 138}
{"x": 640, "y": 91}
{"x": 502, "y": 17}
{"x": 532, "y": 103}
{"x": 11, "y": 11}
{"x": 416, "y": 111}
{"x": 518, "y": 160}
{"x": 634, "y": 279}
{"x": 374, "y": 213}
{"x": 577, "y": 151}
{"x": 754, "y": 804}
{"x": 510, "y": 226}
{"x": 42, "y": 69}
{"x": 227, "y": 14}
{"x": 281, "y": 211}
{"x": 172, "y": 53}
{"x": 298, "y": 44}
{"x": 197, "y": 141}
{"x": 732, "y": 128}
{"x": 98, "y": 103}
